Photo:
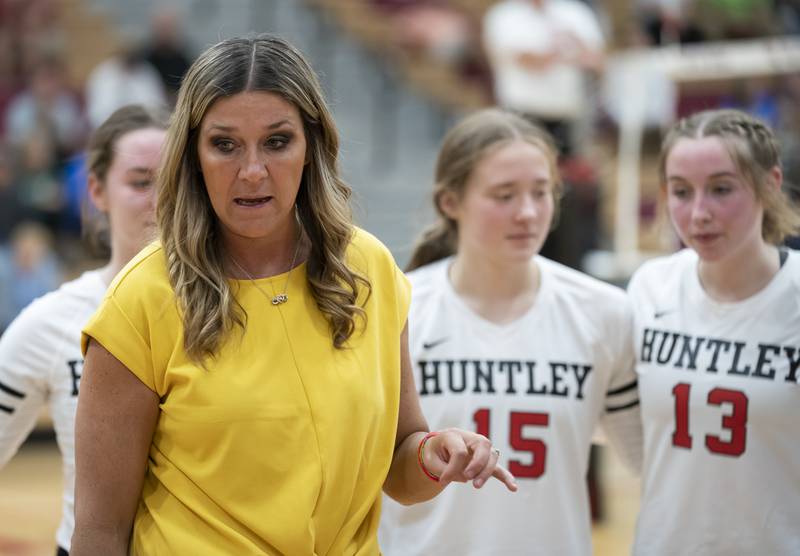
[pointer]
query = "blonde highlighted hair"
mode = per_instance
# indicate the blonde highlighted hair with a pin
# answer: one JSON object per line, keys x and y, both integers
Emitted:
{"x": 463, "y": 147}
{"x": 188, "y": 224}
{"x": 755, "y": 151}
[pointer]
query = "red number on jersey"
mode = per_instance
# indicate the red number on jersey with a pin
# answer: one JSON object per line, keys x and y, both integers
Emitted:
{"x": 681, "y": 436}
{"x": 481, "y": 418}
{"x": 735, "y": 421}
{"x": 534, "y": 446}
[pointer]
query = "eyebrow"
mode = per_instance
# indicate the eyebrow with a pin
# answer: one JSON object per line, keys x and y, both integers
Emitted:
{"x": 139, "y": 170}
{"x": 507, "y": 184}
{"x": 715, "y": 175}
{"x": 225, "y": 128}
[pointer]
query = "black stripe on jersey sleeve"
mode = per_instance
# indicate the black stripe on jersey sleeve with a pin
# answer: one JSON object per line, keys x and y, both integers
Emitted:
{"x": 624, "y": 388}
{"x": 6, "y": 409}
{"x": 11, "y": 392}
{"x": 613, "y": 408}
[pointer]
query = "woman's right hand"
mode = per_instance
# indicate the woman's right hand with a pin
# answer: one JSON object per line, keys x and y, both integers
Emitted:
{"x": 456, "y": 455}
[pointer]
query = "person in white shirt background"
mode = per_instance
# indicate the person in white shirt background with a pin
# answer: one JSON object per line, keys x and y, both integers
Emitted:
{"x": 125, "y": 78}
{"x": 40, "y": 356}
{"x": 717, "y": 335}
{"x": 515, "y": 346}
{"x": 541, "y": 52}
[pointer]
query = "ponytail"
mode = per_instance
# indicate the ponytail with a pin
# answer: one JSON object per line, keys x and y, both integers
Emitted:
{"x": 436, "y": 243}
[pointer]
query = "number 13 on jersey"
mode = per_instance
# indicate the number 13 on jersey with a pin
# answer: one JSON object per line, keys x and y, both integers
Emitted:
{"x": 734, "y": 421}
{"x": 534, "y": 446}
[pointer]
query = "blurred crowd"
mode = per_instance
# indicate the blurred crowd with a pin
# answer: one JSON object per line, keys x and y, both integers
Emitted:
{"x": 45, "y": 119}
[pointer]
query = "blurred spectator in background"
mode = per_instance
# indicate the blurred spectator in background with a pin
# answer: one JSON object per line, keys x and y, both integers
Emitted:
{"x": 793, "y": 192}
{"x": 167, "y": 51}
{"x": 28, "y": 269}
{"x": 26, "y": 27}
{"x": 46, "y": 107}
{"x": 432, "y": 28}
{"x": 756, "y": 96}
{"x": 11, "y": 209}
{"x": 40, "y": 190}
{"x": 9, "y": 84}
{"x": 126, "y": 78}
{"x": 787, "y": 16}
{"x": 441, "y": 31}
{"x": 788, "y": 132}
{"x": 539, "y": 51}
{"x": 665, "y": 22}
{"x": 73, "y": 183}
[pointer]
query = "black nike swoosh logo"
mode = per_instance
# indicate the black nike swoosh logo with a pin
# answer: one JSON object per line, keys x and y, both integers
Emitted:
{"x": 659, "y": 314}
{"x": 433, "y": 344}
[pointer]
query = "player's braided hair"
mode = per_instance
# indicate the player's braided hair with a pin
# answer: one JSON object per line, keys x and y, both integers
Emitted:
{"x": 756, "y": 152}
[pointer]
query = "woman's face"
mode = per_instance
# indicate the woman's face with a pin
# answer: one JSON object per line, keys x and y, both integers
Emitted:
{"x": 712, "y": 207}
{"x": 128, "y": 194}
{"x": 252, "y": 151}
{"x": 507, "y": 206}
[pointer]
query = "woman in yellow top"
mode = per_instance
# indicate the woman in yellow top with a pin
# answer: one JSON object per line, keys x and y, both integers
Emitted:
{"x": 247, "y": 386}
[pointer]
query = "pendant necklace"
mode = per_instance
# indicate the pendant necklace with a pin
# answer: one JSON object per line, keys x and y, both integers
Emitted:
{"x": 281, "y": 297}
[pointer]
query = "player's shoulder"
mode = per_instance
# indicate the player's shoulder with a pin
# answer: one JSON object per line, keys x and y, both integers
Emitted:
{"x": 428, "y": 279}
{"x": 87, "y": 286}
{"x": 572, "y": 283}
{"x": 662, "y": 272}
{"x": 72, "y": 297}
{"x": 793, "y": 266}
{"x": 52, "y": 318}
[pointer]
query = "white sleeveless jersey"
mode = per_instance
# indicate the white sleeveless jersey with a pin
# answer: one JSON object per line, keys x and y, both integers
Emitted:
{"x": 537, "y": 387}
{"x": 41, "y": 363}
{"x": 721, "y": 413}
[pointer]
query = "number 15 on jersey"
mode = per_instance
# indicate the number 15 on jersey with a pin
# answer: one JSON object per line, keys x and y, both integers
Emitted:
{"x": 534, "y": 446}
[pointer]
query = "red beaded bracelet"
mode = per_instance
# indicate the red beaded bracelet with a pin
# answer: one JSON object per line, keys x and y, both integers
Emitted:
{"x": 421, "y": 452}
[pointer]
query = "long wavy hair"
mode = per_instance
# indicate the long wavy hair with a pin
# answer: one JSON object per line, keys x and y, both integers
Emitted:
{"x": 189, "y": 227}
{"x": 463, "y": 147}
{"x": 755, "y": 152}
{"x": 100, "y": 153}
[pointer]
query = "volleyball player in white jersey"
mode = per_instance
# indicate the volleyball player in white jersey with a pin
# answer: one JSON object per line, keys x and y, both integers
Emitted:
{"x": 515, "y": 346}
{"x": 717, "y": 329}
{"x": 40, "y": 355}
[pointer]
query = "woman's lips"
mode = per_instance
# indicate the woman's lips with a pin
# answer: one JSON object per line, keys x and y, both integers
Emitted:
{"x": 252, "y": 201}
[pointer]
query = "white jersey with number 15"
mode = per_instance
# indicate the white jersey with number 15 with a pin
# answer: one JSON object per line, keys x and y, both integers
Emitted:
{"x": 537, "y": 387}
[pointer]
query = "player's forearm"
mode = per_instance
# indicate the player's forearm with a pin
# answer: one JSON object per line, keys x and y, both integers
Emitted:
{"x": 89, "y": 540}
{"x": 625, "y": 435}
{"x": 406, "y": 481}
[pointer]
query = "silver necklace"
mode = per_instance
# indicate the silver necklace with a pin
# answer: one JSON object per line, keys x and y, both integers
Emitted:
{"x": 281, "y": 297}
